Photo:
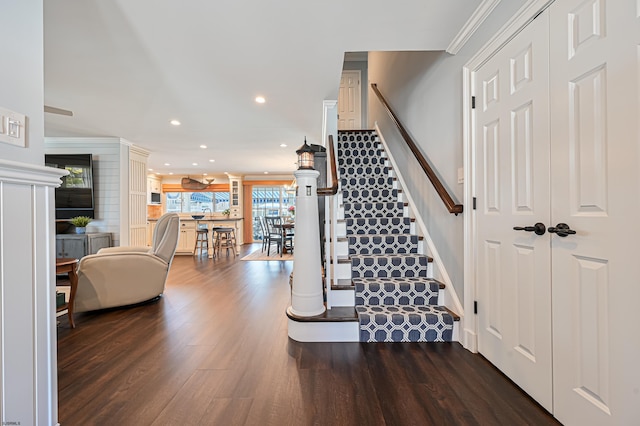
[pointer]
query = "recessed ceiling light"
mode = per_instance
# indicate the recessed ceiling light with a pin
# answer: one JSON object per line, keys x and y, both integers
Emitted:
{"x": 167, "y": 164}
{"x": 175, "y": 122}
{"x": 194, "y": 164}
{"x": 260, "y": 99}
{"x": 203, "y": 146}
{"x": 226, "y": 173}
{"x": 170, "y": 173}
{"x": 266, "y": 173}
{"x": 212, "y": 160}
{"x": 158, "y": 174}
{"x": 150, "y": 170}
{"x": 204, "y": 174}
{"x": 283, "y": 145}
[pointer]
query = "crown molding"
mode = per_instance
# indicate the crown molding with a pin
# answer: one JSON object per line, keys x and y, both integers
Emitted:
{"x": 476, "y": 19}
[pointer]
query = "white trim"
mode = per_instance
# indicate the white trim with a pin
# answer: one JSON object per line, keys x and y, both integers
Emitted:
{"x": 326, "y": 107}
{"x": 476, "y": 19}
{"x": 323, "y": 331}
{"x": 30, "y": 174}
{"x": 30, "y": 336}
{"x": 451, "y": 297}
{"x": 521, "y": 19}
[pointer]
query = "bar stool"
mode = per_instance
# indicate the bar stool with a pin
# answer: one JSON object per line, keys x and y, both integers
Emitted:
{"x": 202, "y": 241}
{"x": 214, "y": 240}
{"x": 225, "y": 238}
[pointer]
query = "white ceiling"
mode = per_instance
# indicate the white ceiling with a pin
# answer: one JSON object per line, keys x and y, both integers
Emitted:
{"x": 126, "y": 68}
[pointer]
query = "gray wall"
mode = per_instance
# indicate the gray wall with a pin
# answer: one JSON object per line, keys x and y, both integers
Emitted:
{"x": 22, "y": 74}
{"x": 425, "y": 91}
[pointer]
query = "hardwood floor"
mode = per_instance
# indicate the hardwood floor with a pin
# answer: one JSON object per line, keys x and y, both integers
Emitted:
{"x": 214, "y": 351}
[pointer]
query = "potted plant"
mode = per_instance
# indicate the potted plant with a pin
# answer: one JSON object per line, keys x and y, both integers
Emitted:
{"x": 292, "y": 211}
{"x": 226, "y": 213}
{"x": 80, "y": 222}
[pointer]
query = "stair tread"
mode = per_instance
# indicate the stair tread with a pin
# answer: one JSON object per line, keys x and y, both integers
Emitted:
{"x": 361, "y": 256}
{"x": 347, "y": 259}
{"x": 441, "y": 285}
{"x": 335, "y": 314}
{"x": 342, "y": 284}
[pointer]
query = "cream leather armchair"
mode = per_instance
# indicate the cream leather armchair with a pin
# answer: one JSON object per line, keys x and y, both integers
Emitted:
{"x": 120, "y": 276}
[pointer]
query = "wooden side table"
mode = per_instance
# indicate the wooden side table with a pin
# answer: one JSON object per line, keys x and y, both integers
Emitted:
{"x": 69, "y": 266}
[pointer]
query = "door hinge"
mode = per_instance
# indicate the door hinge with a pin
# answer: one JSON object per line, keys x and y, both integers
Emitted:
{"x": 474, "y": 203}
{"x": 475, "y": 307}
{"x": 473, "y": 102}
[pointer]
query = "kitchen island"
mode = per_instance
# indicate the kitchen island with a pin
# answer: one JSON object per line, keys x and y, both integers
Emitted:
{"x": 189, "y": 225}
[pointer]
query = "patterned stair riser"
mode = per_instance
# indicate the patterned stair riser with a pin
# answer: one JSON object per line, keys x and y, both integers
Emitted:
{"x": 362, "y": 161}
{"x": 377, "y": 177}
{"x": 357, "y": 210}
{"x": 368, "y": 195}
{"x": 404, "y": 324}
{"x": 396, "y": 291}
{"x": 383, "y": 244}
{"x": 379, "y": 225}
{"x": 348, "y": 151}
{"x": 401, "y": 265}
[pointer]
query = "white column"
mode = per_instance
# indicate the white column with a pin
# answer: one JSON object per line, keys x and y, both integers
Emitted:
{"x": 306, "y": 292}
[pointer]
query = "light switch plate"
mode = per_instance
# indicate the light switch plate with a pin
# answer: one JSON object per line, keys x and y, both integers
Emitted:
{"x": 13, "y": 127}
{"x": 460, "y": 175}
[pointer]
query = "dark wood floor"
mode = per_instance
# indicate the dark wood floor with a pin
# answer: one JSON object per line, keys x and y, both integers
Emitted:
{"x": 214, "y": 351}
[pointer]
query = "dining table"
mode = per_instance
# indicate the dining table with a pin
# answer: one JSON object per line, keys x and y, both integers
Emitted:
{"x": 287, "y": 229}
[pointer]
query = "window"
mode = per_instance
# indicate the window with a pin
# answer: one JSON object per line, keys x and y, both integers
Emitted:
{"x": 269, "y": 201}
{"x": 196, "y": 202}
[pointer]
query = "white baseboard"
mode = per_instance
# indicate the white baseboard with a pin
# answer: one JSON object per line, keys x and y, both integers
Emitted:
{"x": 324, "y": 331}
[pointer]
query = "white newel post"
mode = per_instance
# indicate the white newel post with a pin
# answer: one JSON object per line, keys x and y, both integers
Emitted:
{"x": 306, "y": 293}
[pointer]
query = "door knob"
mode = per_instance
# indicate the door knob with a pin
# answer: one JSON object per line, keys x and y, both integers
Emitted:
{"x": 538, "y": 228}
{"x": 562, "y": 229}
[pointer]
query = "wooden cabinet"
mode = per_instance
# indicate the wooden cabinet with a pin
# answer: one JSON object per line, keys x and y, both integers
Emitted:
{"x": 79, "y": 245}
{"x": 187, "y": 238}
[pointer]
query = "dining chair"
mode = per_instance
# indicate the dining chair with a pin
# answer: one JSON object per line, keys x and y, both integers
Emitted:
{"x": 275, "y": 233}
{"x": 264, "y": 233}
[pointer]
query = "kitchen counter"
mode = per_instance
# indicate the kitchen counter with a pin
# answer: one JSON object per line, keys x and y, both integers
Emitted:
{"x": 189, "y": 225}
{"x": 204, "y": 219}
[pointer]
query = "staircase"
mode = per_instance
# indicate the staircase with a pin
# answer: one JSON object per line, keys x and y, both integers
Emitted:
{"x": 395, "y": 298}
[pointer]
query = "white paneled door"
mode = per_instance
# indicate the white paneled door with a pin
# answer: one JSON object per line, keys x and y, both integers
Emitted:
{"x": 556, "y": 143}
{"x": 512, "y": 169}
{"x": 596, "y": 192}
{"x": 349, "y": 101}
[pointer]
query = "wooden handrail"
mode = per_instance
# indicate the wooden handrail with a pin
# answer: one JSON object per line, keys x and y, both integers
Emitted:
{"x": 333, "y": 189}
{"x": 440, "y": 189}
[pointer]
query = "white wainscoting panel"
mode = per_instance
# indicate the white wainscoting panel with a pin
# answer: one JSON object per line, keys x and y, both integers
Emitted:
{"x": 28, "y": 365}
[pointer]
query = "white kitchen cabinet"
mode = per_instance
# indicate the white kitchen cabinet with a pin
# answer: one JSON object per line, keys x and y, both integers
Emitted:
{"x": 151, "y": 225}
{"x": 187, "y": 238}
{"x": 154, "y": 186}
{"x": 235, "y": 197}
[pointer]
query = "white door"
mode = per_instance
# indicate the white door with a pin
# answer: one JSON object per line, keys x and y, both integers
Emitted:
{"x": 596, "y": 192}
{"x": 512, "y": 190}
{"x": 349, "y": 101}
